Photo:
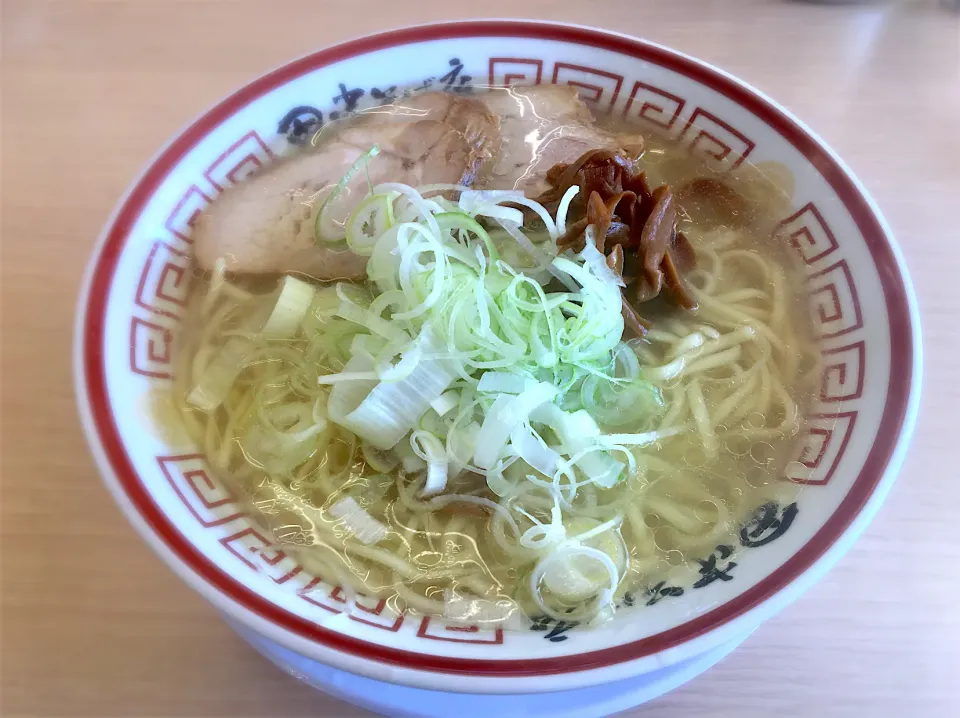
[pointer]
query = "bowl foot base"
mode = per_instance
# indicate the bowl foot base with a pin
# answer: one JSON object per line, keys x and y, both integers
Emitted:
{"x": 405, "y": 702}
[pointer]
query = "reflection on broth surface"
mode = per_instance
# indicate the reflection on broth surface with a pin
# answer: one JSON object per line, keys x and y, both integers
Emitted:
{"x": 467, "y": 427}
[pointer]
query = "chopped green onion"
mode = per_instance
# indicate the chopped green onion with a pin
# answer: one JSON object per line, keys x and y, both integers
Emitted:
{"x": 503, "y": 382}
{"x": 214, "y": 385}
{"x": 382, "y": 412}
{"x": 531, "y": 448}
{"x": 324, "y": 228}
{"x": 358, "y": 521}
{"x": 371, "y": 218}
{"x": 564, "y": 207}
{"x": 444, "y": 403}
{"x": 505, "y": 414}
{"x": 382, "y": 461}
{"x": 429, "y": 448}
{"x": 293, "y": 303}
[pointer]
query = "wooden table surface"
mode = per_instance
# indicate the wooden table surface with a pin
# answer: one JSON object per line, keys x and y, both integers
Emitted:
{"x": 94, "y": 624}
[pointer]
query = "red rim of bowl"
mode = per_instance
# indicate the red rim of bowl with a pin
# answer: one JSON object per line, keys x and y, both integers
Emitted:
{"x": 894, "y": 291}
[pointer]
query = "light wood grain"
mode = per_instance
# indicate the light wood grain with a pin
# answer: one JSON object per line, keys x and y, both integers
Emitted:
{"x": 93, "y": 624}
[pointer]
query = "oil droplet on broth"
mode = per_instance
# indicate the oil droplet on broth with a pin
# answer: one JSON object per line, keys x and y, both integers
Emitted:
{"x": 652, "y": 520}
{"x": 666, "y": 538}
{"x": 737, "y": 444}
{"x": 427, "y": 559}
{"x": 725, "y": 468}
{"x": 675, "y": 558}
{"x": 757, "y": 478}
{"x": 707, "y": 511}
{"x": 763, "y": 453}
{"x": 796, "y": 469}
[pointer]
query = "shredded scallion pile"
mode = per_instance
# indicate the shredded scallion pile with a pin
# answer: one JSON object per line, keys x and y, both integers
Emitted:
{"x": 486, "y": 351}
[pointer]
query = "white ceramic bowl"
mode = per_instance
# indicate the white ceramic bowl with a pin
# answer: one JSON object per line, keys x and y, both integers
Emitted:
{"x": 860, "y": 299}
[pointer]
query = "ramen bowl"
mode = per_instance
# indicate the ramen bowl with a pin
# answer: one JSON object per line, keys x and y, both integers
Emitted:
{"x": 845, "y": 459}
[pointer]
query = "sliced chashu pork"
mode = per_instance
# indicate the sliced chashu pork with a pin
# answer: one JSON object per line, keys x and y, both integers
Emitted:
{"x": 265, "y": 224}
{"x": 540, "y": 126}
